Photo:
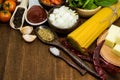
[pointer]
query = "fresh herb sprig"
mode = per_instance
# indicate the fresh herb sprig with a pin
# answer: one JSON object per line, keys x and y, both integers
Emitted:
{"x": 91, "y": 4}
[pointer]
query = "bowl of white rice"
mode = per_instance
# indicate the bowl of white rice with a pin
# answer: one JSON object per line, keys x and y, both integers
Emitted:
{"x": 63, "y": 19}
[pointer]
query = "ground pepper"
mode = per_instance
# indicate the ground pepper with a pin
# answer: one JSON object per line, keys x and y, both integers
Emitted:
{"x": 18, "y": 17}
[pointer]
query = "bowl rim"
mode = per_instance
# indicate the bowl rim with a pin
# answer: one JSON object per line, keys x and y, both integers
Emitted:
{"x": 89, "y": 10}
{"x": 39, "y": 23}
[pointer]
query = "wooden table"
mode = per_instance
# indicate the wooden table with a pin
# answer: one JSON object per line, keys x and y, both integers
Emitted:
{"x": 32, "y": 61}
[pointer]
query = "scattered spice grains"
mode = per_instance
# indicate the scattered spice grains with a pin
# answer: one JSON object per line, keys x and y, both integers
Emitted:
{"x": 46, "y": 34}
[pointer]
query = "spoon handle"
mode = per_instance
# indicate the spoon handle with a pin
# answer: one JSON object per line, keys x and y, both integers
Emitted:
{"x": 24, "y": 3}
{"x": 79, "y": 61}
{"x": 33, "y": 2}
{"x": 79, "y": 69}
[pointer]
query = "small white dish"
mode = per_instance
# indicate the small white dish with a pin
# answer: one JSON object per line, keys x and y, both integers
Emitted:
{"x": 88, "y": 13}
{"x": 31, "y": 4}
{"x": 15, "y": 20}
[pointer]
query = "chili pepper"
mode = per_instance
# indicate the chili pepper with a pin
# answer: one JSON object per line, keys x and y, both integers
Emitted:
{"x": 109, "y": 67}
{"x": 96, "y": 61}
{"x": 80, "y": 55}
{"x": 89, "y": 58}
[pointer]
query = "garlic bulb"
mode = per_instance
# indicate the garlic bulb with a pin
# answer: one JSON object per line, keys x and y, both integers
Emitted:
{"x": 29, "y": 38}
{"x": 26, "y": 30}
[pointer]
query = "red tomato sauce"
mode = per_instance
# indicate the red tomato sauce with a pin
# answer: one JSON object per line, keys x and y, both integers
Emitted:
{"x": 36, "y": 14}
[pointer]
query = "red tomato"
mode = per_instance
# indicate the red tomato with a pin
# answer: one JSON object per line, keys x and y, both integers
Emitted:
{"x": 13, "y": 0}
{"x": 9, "y": 5}
{"x": 1, "y": 1}
{"x": 5, "y": 16}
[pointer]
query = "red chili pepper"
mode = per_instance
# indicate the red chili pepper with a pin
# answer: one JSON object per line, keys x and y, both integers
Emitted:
{"x": 80, "y": 55}
{"x": 112, "y": 69}
{"x": 99, "y": 63}
{"x": 96, "y": 62}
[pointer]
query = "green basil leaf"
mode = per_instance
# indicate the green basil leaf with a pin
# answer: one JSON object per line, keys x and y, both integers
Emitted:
{"x": 90, "y": 5}
{"x": 105, "y": 3}
{"x": 87, "y": 2}
{"x": 76, "y": 3}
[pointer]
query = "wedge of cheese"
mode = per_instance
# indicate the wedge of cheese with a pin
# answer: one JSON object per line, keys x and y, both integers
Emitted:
{"x": 113, "y": 39}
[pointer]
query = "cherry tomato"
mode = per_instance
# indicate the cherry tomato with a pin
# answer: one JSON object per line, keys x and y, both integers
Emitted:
{"x": 1, "y": 1}
{"x": 5, "y": 16}
{"x": 13, "y": 0}
{"x": 9, "y": 5}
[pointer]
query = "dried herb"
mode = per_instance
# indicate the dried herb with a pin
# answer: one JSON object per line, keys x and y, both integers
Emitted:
{"x": 46, "y": 34}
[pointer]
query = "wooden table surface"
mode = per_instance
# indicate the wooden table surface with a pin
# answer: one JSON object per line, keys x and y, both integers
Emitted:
{"x": 32, "y": 61}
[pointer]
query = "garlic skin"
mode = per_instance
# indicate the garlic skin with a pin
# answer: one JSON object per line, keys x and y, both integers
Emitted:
{"x": 29, "y": 38}
{"x": 26, "y": 30}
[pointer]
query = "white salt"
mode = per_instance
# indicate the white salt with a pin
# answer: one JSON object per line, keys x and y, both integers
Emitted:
{"x": 54, "y": 51}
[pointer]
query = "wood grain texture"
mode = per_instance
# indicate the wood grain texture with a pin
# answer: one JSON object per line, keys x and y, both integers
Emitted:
{"x": 32, "y": 61}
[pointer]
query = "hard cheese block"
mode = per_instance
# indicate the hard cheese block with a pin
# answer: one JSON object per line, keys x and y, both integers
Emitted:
{"x": 106, "y": 51}
{"x": 112, "y": 39}
{"x": 88, "y": 32}
{"x": 116, "y": 49}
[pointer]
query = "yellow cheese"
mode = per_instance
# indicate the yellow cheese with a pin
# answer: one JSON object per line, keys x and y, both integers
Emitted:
{"x": 116, "y": 49}
{"x": 110, "y": 40}
{"x": 111, "y": 37}
{"x": 118, "y": 38}
{"x": 87, "y": 33}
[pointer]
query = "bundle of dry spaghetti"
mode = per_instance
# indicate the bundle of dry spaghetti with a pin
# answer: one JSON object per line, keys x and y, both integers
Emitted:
{"x": 87, "y": 33}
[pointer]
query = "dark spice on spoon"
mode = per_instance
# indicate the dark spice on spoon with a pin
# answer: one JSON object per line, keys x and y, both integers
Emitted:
{"x": 36, "y": 14}
{"x": 18, "y": 17}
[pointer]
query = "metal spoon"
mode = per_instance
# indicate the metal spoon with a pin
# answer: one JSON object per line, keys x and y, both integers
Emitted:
{"x": 31, "y": 4}
{"x": 17, "y": 18}
{"x": 56, "y": 53}
{"x": 55, "y": 42}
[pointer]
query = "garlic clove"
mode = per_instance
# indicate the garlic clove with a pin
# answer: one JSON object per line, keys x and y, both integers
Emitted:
{"x": 29, "y": 38}
{"x": 26, "y": 30}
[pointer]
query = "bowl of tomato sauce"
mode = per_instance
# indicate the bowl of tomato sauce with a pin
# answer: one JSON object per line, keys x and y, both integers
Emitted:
{"x": 48, "y": 4}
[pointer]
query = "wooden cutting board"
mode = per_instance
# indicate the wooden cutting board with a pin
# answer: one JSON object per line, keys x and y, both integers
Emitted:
{"x": 106, "y": 52}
